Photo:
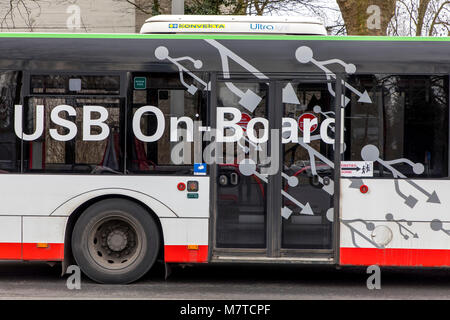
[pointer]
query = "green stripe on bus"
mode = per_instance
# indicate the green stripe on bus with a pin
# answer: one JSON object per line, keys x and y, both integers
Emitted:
{"x": 215, "y": 36}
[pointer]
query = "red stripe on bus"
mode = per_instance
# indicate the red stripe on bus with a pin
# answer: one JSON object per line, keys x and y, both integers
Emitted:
{"x": 183, "y": 254}
{"x": 10, "y": 251}
{"x": 395, "y": 257}
{"x": 54, "y": 252}
{"x": 30, "y": 251}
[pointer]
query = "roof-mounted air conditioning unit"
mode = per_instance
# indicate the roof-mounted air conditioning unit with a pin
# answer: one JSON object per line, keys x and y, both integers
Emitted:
{"x": 233, "y": 25}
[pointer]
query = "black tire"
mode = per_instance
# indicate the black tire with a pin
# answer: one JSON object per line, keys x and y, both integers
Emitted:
{"x": 115, "y": 241}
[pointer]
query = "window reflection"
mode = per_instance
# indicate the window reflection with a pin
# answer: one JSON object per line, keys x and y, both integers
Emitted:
{"x": 408, "y": 119}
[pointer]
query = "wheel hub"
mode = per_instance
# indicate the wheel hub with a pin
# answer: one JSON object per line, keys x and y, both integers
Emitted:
{"x": 114, "y": 243}
{"x": 117, "y": 240}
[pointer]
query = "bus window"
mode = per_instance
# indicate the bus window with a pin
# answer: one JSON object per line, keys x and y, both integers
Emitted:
{"x": 410, "y": 121}
{"x": 241, "y": 200}
{"x": 10, "y": 86}
{"x": 174, "y": 100}
{"x": 68, "y": 142}
{"x": 301, "y": 231}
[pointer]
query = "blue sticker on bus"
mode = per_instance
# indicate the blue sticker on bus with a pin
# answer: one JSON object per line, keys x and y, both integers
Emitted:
{"x": 200, "y": 169}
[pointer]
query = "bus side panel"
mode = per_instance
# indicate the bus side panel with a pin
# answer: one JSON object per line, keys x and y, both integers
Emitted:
{"x": 43, "y": 238}
{"x": 60, "y": 194}
{"x": 381, "y": 227}
{"x": 32, "y": 238}
{"x": 185, "y": 240}
{"x": 34, "y": 229}
{"x": 10, "y": 238}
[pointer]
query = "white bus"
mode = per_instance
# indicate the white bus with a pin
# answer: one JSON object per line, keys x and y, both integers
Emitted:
{"x": 212, "y": 139}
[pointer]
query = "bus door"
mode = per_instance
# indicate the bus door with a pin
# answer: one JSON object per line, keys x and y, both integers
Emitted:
{"x": 308, "y": 167}
{"x": 274, "y": 184}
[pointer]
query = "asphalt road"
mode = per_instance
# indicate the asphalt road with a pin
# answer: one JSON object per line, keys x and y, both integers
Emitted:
{"x": 279, "y": 282}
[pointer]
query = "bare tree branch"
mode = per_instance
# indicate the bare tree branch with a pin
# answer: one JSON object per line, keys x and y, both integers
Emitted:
{"x": 436, "y": 20}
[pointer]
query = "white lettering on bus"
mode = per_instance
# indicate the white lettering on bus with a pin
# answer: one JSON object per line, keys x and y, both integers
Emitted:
{"x": 18, "y": 123}
{"x": 251, "y": 133}
{"x": 307, "y": 125}
{"x": 228, "y": 131}
{"x": 324, "y": 131}
{"x": 290, "y": 127}
{"x": 160, "y": 124}
{"x": 174, "y": 128}
{"x": 54, "y": 116}
{"x": 222, "y": 123}
{"x": 88, "y": 122}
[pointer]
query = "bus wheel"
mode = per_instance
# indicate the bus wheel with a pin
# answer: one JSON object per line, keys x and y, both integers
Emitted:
{"x": 115, "y": 241}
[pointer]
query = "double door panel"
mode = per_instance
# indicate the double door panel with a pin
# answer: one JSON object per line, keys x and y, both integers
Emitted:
{"x": 275, "y": 184}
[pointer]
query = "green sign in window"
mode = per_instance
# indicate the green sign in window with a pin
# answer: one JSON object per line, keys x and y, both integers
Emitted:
{"x": 140, "y": 83}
